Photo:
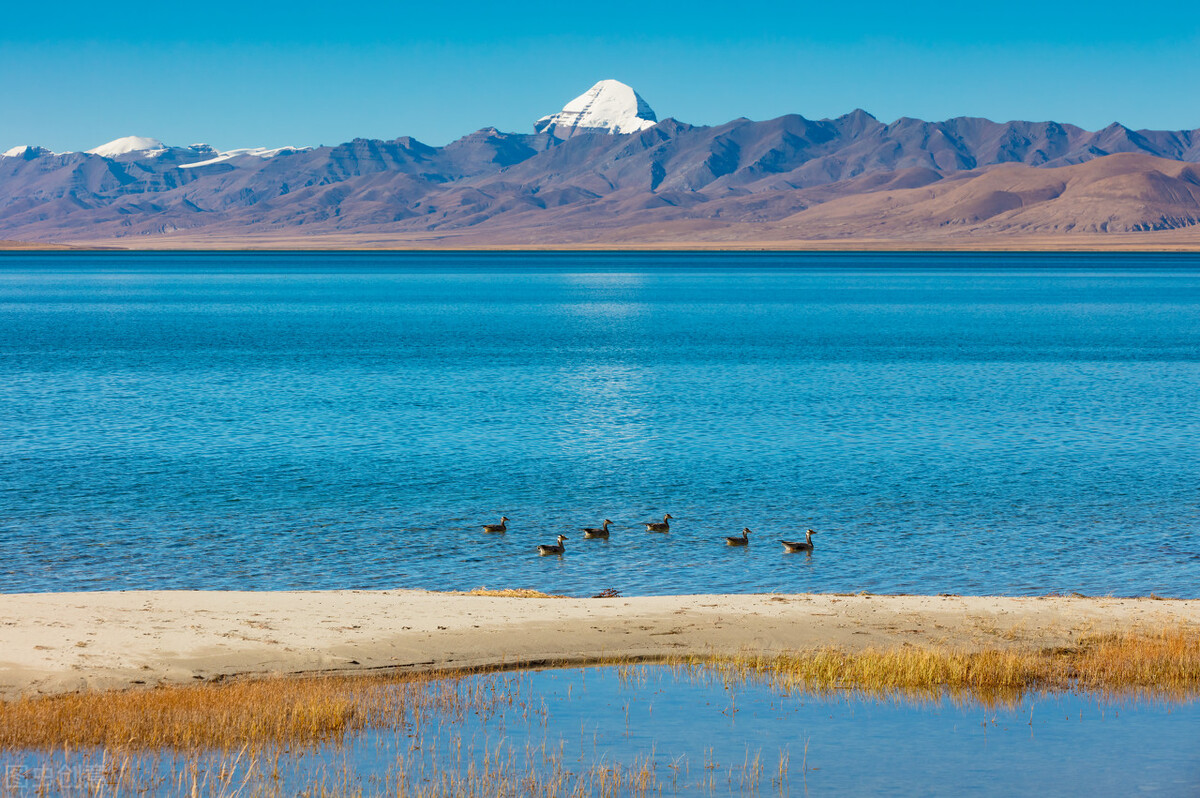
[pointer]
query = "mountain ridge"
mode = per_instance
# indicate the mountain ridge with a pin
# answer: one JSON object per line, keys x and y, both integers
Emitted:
{"x": 567, "y": 177}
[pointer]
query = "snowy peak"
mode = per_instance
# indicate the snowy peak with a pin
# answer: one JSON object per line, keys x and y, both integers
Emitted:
{"x": 126, "y": 145}
{"x": 26, "y": 151}
{"x": 263, "y": 153}
{"x": 608, "y": 107}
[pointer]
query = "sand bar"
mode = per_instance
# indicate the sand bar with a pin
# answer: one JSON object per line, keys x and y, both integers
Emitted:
{"x": 56, "y": 642}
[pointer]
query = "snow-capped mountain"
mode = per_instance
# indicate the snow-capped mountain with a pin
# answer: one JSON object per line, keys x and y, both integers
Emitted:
{"x": 26, "y": 151}
{"x": 608, "y": 107}
{"x": 135, "y": 148}
{"x": 126, "y": 145}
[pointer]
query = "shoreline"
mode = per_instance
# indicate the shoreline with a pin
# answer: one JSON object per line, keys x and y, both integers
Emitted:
{"x": 812, "y": 248}
{"x": 68, "y": 642}
{"x": 1177, "y": 241}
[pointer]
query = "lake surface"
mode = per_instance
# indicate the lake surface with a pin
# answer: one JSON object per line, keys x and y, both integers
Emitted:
{"x": 1009, "y": 424}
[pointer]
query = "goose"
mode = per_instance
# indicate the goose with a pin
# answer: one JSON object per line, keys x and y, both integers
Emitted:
{"x": 659, "y": 526}
{"x": 546, "y": 548}
{"x": 500, "y": 527}
{"x": 597, "y": 532}
{"x": 796, "y": 545}
{"x": 744, "y": 540}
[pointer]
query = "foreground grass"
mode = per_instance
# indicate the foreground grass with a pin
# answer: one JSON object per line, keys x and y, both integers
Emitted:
{"x": 285, "y": 737}
{"x": 255, "y": 713}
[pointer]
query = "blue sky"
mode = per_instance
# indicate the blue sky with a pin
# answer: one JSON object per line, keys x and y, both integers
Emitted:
{"x": 268, "y": 74}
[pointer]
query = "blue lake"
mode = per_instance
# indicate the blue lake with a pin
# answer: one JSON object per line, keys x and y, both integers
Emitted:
{"x": 1011, "y": 424}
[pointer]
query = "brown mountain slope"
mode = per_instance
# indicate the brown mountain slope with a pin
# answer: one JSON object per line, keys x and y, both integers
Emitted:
{"x": 1123, "y": 200}
{"x": 1114, "y": 194}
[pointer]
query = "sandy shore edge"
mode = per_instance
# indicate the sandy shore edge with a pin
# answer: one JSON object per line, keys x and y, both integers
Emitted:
{"x": 62, "y": 642}
{"x": 1185, "y": 240}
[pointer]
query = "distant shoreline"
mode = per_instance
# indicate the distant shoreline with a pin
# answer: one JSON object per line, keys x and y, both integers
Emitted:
{"x": 849, "y": 247}
{"x": 1168, "y": 241}
{"x": 64, "y": 642}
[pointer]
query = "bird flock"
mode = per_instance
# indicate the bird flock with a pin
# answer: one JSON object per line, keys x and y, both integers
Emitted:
{"x": 602, "y": 533}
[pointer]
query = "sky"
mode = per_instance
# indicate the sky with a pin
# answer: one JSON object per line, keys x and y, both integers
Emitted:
{"x": 74, "y": 75}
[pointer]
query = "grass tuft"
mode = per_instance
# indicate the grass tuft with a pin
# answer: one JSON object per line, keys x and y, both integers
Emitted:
{"x": 1164, "y": 664}
{"x": 511, "y": 592}
{"x": 233, "y": 714}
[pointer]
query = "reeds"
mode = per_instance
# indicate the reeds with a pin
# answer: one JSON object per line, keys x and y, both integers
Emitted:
{"x": 257, "y": 738}
{"x": 237, "y": 714}
{"x": 511, "y": 592}
{"x": 1164, "y": 664}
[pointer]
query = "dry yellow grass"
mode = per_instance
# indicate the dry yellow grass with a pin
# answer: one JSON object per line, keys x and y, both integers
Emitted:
{"x": 1166, "y": 664}
{"x": 538, "y": 774}
{"x": 511, "y": 592}
{"x": 236, "y": 714}
{"x": 550, "y": 778}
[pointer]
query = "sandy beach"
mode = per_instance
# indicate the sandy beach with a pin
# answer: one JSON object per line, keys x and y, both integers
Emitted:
{"x": 57, "y": 642}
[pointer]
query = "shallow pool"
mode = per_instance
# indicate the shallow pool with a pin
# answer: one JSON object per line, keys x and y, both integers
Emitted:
{"x": 673, "y": 731}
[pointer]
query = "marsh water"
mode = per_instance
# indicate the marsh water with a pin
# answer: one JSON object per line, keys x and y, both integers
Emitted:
{"x": 675, "y": 731}
{"x": 1012, "y": 424}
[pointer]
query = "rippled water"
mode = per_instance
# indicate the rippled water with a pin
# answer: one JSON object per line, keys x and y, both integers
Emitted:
{"x": 957, "y": 423}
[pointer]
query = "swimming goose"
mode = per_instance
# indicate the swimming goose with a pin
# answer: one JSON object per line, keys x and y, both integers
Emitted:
{"x": 659, "y": 526}
{"x": 500, "y": 527}
{"x": 546, "y": 548}
{"x": 597, "y": 532}
{"x": 744, "y": 540}
{"x": 796, "y": 545}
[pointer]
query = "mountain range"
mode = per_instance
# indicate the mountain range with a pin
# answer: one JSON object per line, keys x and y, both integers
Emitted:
{"x": 605, "y": 170}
